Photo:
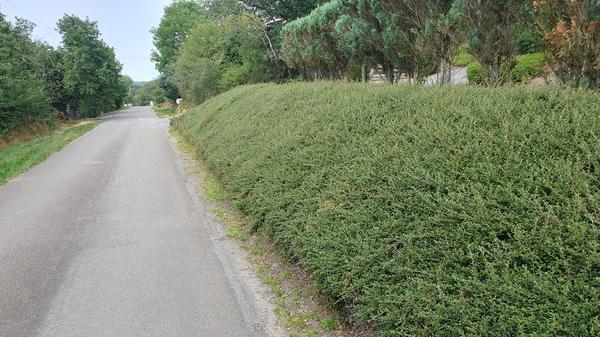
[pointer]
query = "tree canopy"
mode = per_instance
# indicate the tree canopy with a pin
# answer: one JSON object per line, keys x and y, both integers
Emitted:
{"x": 218, "y": 56}
{"x": 80, "y": 78}
{"x": 92, "y": 79}
{"x": 22, "y": 96}
{"x": 419, "y": 37}
{"x": 178, "y": 20}
{"x": 285, "y": 10}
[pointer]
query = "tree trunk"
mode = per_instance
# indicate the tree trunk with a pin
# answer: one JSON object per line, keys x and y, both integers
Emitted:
{"x": 446, "y": 72}
{"x": 446, "y": 63}
{"x": 364, "y": 76}
{"x": 388, "y": 69}
{"x": 496, "y": 71}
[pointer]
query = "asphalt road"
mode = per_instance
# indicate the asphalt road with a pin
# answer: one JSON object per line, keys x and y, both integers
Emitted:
{"x": 106, "y": 238}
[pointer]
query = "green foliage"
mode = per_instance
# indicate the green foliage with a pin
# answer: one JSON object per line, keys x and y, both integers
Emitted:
{"x": 196, "y": 70}
{"x": 248, "y": 53}
{"x": 409, "y": 37}
{"x": 571, "y": 32}
{"x": 417, "y": 38}
{"x": 440, "y": 211}
{"x": 165, "y": 112}
{"x": 126, "y": 84}
{"x": 92, "y": 79}
{"x": 49, "y": 67}
{"x": 492, "y": 32}
{"x": 22, "y": 97}
{"x": 463, "y": 57}
{"x": 81, "y": 75}
{"x": 474, "y": 73}
{"x": 340, "y": 39}
{"x": 17, "y": 158}
{"x": 178, "y": 20}
{"x": 529, "y": 39}
{"x": 285, "y": 10}
{"x": 441, "y": 32}
{"x": 166, "y": 81}
{"x": 528, "y": 66}
{"x": 218, "y": 56}
{"x": 219, "y": 10}
{"x": 144, "y": 93}
{"x": 311, "y": 44}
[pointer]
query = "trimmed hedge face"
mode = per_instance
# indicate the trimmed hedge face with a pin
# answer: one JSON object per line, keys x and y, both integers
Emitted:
{"x": 423, "y": 210}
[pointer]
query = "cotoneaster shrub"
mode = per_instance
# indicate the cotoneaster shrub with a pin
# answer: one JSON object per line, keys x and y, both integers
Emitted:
{"x": 432, "y": 211}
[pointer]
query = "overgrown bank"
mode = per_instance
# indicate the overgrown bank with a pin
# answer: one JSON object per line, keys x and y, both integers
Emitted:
{"x": 422, "y": 210}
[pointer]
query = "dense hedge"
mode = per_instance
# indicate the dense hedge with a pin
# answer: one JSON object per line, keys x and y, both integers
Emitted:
{"x": 423, "y": 210}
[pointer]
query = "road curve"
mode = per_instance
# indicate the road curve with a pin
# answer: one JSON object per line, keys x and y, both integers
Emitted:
{"x": 105, "y": 238}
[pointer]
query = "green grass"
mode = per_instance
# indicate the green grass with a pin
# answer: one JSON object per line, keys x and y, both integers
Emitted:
{"x": 17, "y": 158}
{"x": 165, "y": 112}
{"x": 440, "y": 211}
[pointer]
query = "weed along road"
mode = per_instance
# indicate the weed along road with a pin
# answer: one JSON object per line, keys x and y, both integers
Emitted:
{"x": 107, "y": 238}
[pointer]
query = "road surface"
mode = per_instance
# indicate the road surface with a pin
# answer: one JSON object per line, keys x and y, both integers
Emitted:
{"x": 106, "y": 238}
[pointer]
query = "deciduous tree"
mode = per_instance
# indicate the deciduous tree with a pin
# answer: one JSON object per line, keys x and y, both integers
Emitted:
{"x": 571, "y": 31}
{"x": 92, "y": 79}
{"x": 177, "y": 22}
{"x": 491, "y": 27}
{"x": 22, "y": 96}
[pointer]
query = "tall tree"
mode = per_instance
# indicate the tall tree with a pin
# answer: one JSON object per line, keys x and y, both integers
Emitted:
{"x": 22, "y": 96}
{"x": 217, "y": 56}
{"x": 441, "y": 29}
{"x": 354, "y": 38}
{"x": 282, "y": 10}
{"x": 422, "y": 34}
{"x": 166, "y": 81}
{"x": 370, "y": 18}
{"x": 312, "y": 45}
{"x": 571, "y": 31}
{"x": 491, "y": 27}
{"x": 92, "y": 79}
{"x": 270, "y": 17}
{"x": 177, "y": 22}
{"x": 50, "y": 68}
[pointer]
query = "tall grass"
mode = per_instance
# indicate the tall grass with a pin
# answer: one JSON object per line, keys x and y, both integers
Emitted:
{"x": 422, "y": 210}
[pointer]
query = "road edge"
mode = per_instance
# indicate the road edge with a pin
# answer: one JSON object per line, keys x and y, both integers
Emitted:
{"x": 235, "y": 259}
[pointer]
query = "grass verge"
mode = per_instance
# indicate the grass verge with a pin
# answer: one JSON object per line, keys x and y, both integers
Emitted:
{"x": 16, "y": 158}
{"x": 422, "y": 210}
{"x": 165, "y": 112}
{"x": 300, "y": 307}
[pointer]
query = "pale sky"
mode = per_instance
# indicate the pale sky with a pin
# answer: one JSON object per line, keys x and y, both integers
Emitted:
{"x": 125, "y": 25}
